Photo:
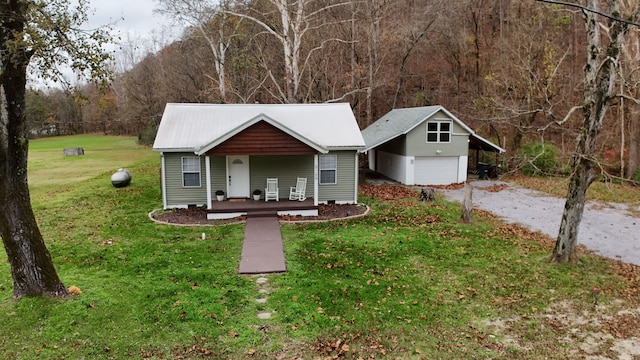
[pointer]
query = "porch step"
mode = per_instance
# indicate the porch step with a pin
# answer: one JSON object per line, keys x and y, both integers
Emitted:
{"x": 261, "y": 213}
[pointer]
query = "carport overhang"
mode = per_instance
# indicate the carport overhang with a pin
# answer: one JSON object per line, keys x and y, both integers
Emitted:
{"x": 477, "y": 142}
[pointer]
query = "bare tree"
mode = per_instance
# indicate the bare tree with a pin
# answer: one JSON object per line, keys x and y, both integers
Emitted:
{"x": 530, "y": 83}
{"x": 297, "y": 20}
{"x": 209, "y": 19}
{"x": 630, "y": 80}
{"x": 599, "y": 80}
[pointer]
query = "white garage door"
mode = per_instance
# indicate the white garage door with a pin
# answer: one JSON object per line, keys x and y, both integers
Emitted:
{"x": 436, "y": 170}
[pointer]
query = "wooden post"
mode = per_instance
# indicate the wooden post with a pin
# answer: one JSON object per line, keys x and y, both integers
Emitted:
{"x": 467, "y": 205}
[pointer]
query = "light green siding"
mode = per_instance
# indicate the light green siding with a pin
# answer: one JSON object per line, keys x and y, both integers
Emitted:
{"x": 345, "y": 188}
{"x": 414, "y": 143}
{"x": 287, "y": 168}
{"x": 176, "y": 194}
{"x": 417, "y": 145}
{"x": 218, "y": 167}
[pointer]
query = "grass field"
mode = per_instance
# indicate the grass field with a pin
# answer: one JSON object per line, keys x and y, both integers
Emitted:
{"x": 406, "y": 282}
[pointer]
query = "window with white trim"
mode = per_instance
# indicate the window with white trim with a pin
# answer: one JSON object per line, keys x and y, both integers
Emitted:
{"x": 438, "y": 131}
{"x": 191, "y": 171}
{"x": 328, "y": 169}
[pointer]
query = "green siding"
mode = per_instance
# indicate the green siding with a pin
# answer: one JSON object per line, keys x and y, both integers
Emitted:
{"x": 177, "y": 195}
{"x": 414, "y": 143}
{"x": 287, "y": 168}
{"x": 344, "y": 190}
{"x": 417, "y": 145}
{"x": 218, "y": 167}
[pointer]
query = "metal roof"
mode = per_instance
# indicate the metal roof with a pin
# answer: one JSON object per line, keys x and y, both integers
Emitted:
{"x": 401, "y": 121}
{"x": 200, "y": 127}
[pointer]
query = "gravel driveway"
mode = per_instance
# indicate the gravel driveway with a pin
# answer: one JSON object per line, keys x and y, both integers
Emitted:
{"x": 610, "y": 230}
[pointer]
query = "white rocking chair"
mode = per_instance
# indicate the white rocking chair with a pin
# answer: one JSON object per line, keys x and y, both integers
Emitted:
{"x": 271, "y": 191}
{"x": 298, "y": 192}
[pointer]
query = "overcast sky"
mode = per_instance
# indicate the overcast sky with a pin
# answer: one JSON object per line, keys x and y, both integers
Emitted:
{"x": 139, "y": 28}
{"x": 137, "y": 15}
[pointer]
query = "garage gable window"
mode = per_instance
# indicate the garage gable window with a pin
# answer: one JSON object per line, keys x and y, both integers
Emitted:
{"x": 328, "y": 169}
{"x": 438, "y": 131}
{"x": 191, "y": 171}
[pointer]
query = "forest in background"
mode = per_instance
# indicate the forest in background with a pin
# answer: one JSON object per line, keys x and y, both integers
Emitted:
{"x": 511, "y": 70}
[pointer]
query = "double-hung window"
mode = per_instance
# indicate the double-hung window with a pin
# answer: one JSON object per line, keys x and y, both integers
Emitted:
{"x": 191, "y": 171}
{"x": 328, "y": 169}
{"x": 438, "y": 131}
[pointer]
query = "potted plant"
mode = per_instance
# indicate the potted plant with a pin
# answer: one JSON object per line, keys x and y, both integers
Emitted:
{"x": 256, "y": 194}
{"x": 220, "y": 195}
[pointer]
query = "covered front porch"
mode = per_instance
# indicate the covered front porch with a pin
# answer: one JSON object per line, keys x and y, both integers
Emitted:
{"x": 239, "y": 207}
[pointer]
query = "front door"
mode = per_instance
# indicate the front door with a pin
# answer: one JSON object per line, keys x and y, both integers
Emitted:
{"x": 238, "y": 176}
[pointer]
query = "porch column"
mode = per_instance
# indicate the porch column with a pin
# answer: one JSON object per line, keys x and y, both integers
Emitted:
{"x": 163, "y": 169}
{"x": 207, "y": 166}
{"x": 355, "y": 195}
{"x": 315, "y": 180}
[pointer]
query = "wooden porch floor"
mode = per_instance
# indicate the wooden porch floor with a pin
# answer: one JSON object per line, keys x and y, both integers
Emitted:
{"x": 250, "y": 205}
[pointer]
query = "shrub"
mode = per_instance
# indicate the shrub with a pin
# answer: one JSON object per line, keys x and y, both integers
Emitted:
{"x": 148, "y": 135}
{"x": 539, "y": 159}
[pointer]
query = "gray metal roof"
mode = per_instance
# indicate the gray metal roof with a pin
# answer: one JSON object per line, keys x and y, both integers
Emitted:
{"x": 200, "y": 127}
{"x": 401, "y": 121}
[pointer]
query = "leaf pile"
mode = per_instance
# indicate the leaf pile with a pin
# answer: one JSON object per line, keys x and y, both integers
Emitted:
{"x": 387, "y": 191}
{"x": 448, "y": 187}
{"x": 522, "y": 234}
{"x": 192, "y": 351}
{"x": 631, "y": 273}
{"x": 352, "y": 346}
{"x": 623, "y": 326}
{"x": 495, "y": 188}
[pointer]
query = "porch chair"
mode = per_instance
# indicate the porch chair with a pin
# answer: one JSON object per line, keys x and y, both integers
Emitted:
{"x": 271, "y": 191}
{"x": 298, "y": 192}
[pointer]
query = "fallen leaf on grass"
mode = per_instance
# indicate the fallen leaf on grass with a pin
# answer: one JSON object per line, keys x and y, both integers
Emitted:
{"x": 387, "y": 191}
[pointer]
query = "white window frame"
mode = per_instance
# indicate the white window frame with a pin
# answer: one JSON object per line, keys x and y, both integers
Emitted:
{"x": 191, "y": 171}
{"x": 322, "y": 166}
{"x": 439, "y": 132}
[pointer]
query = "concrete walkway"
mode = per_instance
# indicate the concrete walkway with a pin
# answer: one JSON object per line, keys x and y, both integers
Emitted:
{"x": 262, "y": 250}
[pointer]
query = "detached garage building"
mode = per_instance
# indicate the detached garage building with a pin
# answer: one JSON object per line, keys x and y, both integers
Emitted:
{"x": 422, "y": 146}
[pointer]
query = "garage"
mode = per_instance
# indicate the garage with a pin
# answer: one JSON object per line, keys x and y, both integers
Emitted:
{"x": 437, "y": 170}
{"x": 424, "y": 145}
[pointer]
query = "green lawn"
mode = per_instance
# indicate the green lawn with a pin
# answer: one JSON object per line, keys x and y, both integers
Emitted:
{"x": 408, "y": 281}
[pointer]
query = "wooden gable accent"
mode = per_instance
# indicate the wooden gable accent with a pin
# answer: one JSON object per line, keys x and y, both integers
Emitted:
{"x": 262, "y": 139}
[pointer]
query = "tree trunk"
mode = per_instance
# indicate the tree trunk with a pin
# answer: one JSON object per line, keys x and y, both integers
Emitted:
{"x": 632, "y": 161}
{"x": 567, "y": 241}
{"x": 598, "y": 89}
{"x": 467, "y": 205}
{"x": 31, "y": 266}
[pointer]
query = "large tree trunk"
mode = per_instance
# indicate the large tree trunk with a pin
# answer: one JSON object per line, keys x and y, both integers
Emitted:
{"x": 567, "y": 240}
{"x": 598, "y": 89}
{"x": 31, "y": 266}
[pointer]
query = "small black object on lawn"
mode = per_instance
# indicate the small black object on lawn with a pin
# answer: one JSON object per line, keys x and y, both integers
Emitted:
{"x": 121, "y": 178}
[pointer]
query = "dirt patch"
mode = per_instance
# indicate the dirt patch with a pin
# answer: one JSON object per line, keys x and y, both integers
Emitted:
{"x": 198, "y": 215}
{"x": 610, "y": 329}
